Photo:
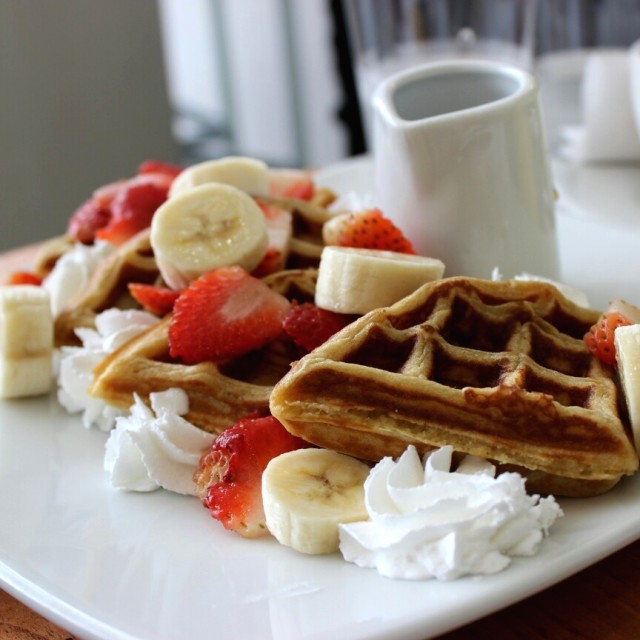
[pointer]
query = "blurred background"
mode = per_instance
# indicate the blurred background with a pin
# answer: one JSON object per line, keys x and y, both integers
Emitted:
{"x": 91, "y": 89}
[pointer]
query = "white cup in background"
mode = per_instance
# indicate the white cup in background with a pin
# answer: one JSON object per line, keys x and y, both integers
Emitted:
{"x": 388, "y": 36}
{"x": 461, "y": 165}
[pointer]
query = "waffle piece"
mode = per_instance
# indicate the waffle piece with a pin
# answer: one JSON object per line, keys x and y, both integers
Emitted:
{"x": 132, "y": 262}
{"x": 218, "y": 394}
{"x": 495, "y": 369}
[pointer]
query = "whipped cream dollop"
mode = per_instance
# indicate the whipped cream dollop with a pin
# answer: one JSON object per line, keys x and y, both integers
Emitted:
{"x": 156, "y": 447}
{"x": 72, "y": 272}
{"x": 426, "y": 521}
{"x": 114, "y": 327}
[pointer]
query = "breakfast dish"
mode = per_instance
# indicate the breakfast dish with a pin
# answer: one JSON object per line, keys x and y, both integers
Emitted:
{"x": 258, "y": 588}
{"x": 495, "y": 369}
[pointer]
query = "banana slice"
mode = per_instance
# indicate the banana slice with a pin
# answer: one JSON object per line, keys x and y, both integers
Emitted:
{"x": 307, "y": 493}
{"x": 247, "y": 174}
{"x": 26, "y": 341}
{"x": 359, "y": 280}
{"x": 210, "y": 226}
{"x": 627, "y": 342}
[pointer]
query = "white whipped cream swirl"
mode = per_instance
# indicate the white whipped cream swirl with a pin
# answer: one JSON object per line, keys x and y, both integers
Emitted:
{"x": 429, "y": 522}
{"x": 155, "y": 447}
{"x": 114, "y": 327}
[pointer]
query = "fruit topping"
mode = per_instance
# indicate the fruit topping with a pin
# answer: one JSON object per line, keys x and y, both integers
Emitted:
{"x": 118, "y": 210}
{"x": 368, "y": 229}
{"x": 224, "y": 314}
{"x": 24, "y": 277}
{"x": 155, "y": 299}
{"x": 133, "y": 207}
{"x": 600, "y": 338}
{"x": 87, "y": 219}
{"x": 308, "y": 493}
{"x": 309, "y": 326}
{"x": 207, "y": 227}
{"x": 247, "y": 174}
{"x": 229, "y": 475}
{"x": 301, "y": 189}
{"x": 157, "y": 166}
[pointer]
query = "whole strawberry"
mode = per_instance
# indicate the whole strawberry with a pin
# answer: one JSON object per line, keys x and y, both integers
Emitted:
{"x": 229, "y": 477}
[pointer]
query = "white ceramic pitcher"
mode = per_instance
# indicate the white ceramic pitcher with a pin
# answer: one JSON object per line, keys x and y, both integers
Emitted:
{"x": 461, "y": 165}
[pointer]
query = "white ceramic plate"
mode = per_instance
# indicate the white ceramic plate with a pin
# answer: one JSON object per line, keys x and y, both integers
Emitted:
{"x": 113, "y": 566}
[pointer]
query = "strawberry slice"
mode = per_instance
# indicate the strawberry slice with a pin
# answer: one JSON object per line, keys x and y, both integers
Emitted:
{"x": 302, "y": 189}
{"x": 24, "y": 277}
{"x": 309, "y": 326}
{"x": 87, "y": 219}
{"x": 368, "y": 229}
{"x": 133, "y": 207}
{"x": 224, "y": 314}
{"x": 229, "y": 476}
{"x": 156, "y": 300}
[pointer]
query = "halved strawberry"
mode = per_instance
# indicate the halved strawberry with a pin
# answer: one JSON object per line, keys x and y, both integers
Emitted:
{"x": 368, "y": 229}
{"x": 133, "y": 207}
{"x": 156, "y": 300}
{"x": 24, "y": 277}
{"x": 302, "y": 189}
{"x": 600, "y": 338}
{"x": 224, "y": 314}
{"x": 87, "y": 219}
{"x": 229, "y": 476}
{"x": 309, "y": 326}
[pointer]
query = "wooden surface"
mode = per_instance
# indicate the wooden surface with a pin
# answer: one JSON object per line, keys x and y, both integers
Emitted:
{"x": 601, "y": 602}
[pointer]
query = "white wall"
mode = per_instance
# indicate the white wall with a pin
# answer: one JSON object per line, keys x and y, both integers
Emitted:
{"x": 82, "y": 102}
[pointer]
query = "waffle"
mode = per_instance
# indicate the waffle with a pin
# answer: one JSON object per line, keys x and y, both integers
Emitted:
{"x": 132, "y": 262}
{"x": 218, "y": 394}
{"x": 495, "y": 369}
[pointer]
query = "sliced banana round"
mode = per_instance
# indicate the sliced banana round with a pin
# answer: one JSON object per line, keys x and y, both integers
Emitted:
{"x": 247, "y": 174}
{"x": 307, "y": 493}
{"x": 210, "y": 226}
{"x": 26, "y": 341}
{"x": 359, "y": 280}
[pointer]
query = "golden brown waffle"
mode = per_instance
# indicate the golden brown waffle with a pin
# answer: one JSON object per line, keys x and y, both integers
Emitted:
{"x": 218, "y": 394}
{"x": 131, "y": 262}
{"x": 495, "y": 369}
